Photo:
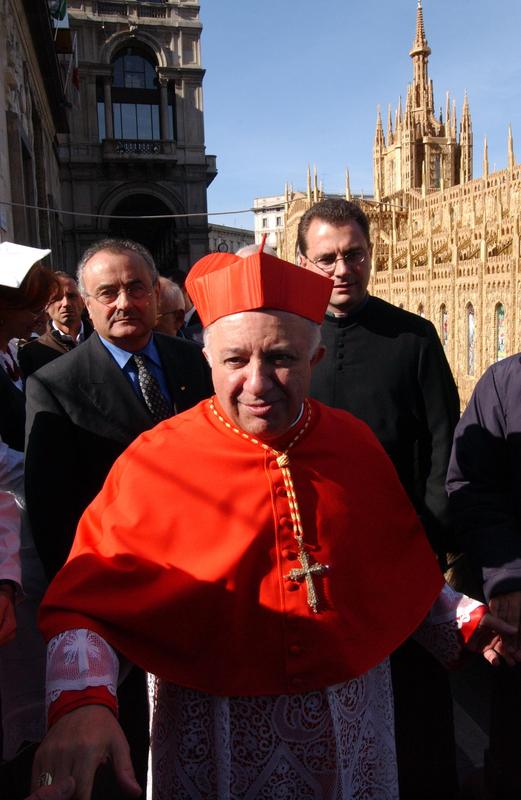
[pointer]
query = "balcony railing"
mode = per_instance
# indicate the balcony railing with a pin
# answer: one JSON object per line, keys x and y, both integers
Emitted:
{"x": 121, "y": 148}
{"x": 128, "y": 146}
{"x": 111, "y": 9}
{"x": 151, "y": 10}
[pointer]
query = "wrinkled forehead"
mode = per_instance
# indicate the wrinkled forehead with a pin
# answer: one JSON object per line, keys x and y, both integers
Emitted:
{"x": 260, "y": 329}
{"x": 112, "y": 265}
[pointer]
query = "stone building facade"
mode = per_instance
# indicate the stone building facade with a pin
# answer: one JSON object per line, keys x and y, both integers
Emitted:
{"x": 268, "y": 215}
{"x": 226, "y": 239}
{"x": 136, "y": 143}
{"x": 446, "y": 245}
{"x": 32, "y": 115}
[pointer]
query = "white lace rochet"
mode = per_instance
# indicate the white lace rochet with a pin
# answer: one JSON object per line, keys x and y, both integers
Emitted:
{"x": 332, "y": 744}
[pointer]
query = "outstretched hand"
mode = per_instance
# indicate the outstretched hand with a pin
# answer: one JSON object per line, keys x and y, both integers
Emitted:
{"x": 491, "y": 639}
{"x": 77, "y": 745}
{"x": 507, "y": 607}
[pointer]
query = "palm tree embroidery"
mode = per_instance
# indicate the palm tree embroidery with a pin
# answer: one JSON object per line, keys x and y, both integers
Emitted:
{"x": 82, "y": 648}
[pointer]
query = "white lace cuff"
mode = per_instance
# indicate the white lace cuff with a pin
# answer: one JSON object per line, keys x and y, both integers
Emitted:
{"x": 78, "y": 659}
{"x": 440, "y": 632}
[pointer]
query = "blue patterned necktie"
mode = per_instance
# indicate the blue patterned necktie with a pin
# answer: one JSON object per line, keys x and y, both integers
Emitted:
{"x": 155, "y": 401}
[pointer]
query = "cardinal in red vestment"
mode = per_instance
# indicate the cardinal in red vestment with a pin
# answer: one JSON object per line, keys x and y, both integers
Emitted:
{"x": 258, "y": 555}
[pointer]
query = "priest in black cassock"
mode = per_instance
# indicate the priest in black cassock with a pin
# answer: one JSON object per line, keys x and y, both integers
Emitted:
{"x": 387, "y": 367}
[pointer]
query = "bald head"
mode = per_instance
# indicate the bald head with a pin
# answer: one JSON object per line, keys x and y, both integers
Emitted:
{"x": 171, "y": 309}
{"x": 251, "y": 249}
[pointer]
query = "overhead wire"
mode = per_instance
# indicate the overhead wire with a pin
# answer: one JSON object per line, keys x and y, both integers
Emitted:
{"x": 94, "y": 215}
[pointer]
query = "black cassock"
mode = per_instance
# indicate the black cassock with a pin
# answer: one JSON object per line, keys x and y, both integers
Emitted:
{"x": 388, "y": 367}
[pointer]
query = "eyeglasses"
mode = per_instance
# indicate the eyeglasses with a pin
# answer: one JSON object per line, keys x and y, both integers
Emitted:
{"x": 110, "y": 294}
{"x": 327, "y": 263}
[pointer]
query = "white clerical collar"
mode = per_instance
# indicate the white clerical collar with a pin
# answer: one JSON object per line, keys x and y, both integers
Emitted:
{"x": 298, "y": 417}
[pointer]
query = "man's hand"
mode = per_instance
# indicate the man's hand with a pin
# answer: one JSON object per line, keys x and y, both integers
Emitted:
{"x": 64, "y": 790}
{"x": 488, "y": 639}
{"x": 7, "y": 614}
{"x": 508, "y": 608}
{"x": 76, "y": 746}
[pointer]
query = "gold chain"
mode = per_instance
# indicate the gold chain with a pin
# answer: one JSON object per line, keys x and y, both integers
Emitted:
{"x": 298, "y": 533}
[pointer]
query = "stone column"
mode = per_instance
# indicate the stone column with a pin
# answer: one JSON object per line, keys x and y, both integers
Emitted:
{"x": 163, "y": 119}
{"x": 107, "y": 96}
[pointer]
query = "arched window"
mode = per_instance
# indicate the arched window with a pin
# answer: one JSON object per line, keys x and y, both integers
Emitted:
{"x": 501, "y": 346}
{"x": 139, "y": 109}
{"x": 421, "y": 310}
{"x": 133, "y": 70}
{"x": 444, "y": 325}
{"x": 471, "y": 337}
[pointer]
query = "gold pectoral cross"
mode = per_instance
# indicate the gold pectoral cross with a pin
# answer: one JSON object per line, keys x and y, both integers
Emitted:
{"x": 306, "y": 572}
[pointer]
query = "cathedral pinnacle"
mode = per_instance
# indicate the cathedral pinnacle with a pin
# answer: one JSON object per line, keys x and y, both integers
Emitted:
{"x": 379, "y": 139}
{"x": 420, "y": 44}
{"x": 511, "y": 156}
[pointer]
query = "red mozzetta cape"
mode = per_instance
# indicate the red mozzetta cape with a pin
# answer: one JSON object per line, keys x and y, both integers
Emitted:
{"x": 180, "y": 560}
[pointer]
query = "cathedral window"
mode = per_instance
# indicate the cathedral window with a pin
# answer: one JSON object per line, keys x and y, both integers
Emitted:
{"x": 471, "y": 339}
{"x": 444, "y": 325}
{"x": 421, "y": 310}
{"x": 500, "y": 330}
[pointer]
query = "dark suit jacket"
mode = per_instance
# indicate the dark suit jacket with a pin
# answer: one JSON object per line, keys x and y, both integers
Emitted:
{"x": 485, "y": 475}
{"x": 12, "y": 413}
{"x": 193, "y": 329}
{"x": 81, "y": 414}
{"x": 38, "y": 352}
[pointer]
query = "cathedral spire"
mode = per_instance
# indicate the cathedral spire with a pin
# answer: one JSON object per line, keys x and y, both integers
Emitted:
{"x": 466, "y": 142}
{"x": 379, "y": 138}
{"x": 309, "y": 184}
{"x": 420, "y": 44}
{"x": 511, "y": 156}
{"x": 399, "y": 113}
{"x": 378, "y": 154}
{"x": 348, "y": 186}
{"x": 422, "y": 90}
{"x": 485, "y": 158}
{"x": 454, "y": 123}
{"x": 389, "y": 126}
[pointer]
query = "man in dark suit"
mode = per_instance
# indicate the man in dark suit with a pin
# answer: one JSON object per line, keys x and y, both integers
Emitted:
{"x": 65, "y": 328}
{"x": 86, "y": 407}
{"x": 387, "y": 367}
{"x": 192, "y": 327}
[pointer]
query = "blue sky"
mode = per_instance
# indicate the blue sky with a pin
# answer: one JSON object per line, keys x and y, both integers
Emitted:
{"x": 295, "y": 81}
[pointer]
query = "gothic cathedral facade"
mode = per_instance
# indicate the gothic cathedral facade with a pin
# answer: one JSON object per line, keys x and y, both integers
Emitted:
{"x": 446, "y": 245}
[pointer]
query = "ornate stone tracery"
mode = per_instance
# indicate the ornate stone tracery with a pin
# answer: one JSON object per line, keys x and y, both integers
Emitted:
{"x": 440, "y": 238}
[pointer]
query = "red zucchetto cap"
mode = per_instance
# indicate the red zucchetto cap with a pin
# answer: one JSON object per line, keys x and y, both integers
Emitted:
{"x": 221, "y": 284}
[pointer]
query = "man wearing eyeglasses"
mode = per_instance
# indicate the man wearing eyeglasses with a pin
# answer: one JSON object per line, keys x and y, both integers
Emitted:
{"x": 86, "y": 407}
{"x": 387, "y": 367}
